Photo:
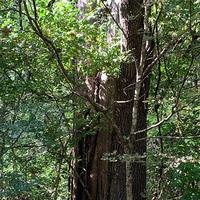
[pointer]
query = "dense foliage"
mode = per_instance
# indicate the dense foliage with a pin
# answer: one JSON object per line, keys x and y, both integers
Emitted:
{"x": 39, "y": 110}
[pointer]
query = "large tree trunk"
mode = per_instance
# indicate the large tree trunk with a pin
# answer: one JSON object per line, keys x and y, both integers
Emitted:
{"x": 98, "y": 179}
{"x": 92, "y": 178}
{"x": 132, "y": 21}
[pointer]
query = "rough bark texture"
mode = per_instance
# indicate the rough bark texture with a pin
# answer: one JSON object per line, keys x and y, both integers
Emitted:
{"x": 104, "y": 180}
{"x": 93, "y": 180}
{"x": 132, "y": 21}
{"x": 92, "y": 170}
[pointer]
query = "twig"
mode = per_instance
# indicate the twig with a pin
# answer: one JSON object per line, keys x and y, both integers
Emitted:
{"x": 20, "y": 15}
{"x": 162, "y": 121}
{"x": 38, "y": 31}
{"x": 35, "y": 10}
{"x": 170, "y": 137}
{"x": 173, "y": 44}
{"x": 160, "y": 171}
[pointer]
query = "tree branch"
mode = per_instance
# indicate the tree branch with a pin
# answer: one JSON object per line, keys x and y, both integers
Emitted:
{"x": 160, "y": 122}
{"x": 170, "y": 137}
{"x": 173, "y": 44}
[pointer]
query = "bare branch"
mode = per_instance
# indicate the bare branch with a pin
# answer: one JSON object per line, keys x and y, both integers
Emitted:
{"x": 98, "y": 107}
{"x": 35, "y": 10}
{"x": 173, "y": 44}
{"x": 170, "y": 137}
{"x": 160, "y": 122}
{"x": 38, "y": 31}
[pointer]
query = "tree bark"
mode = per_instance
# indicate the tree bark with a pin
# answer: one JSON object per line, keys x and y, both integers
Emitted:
{"x": 132, "y": 87}
{"x": 121, "y": 180}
